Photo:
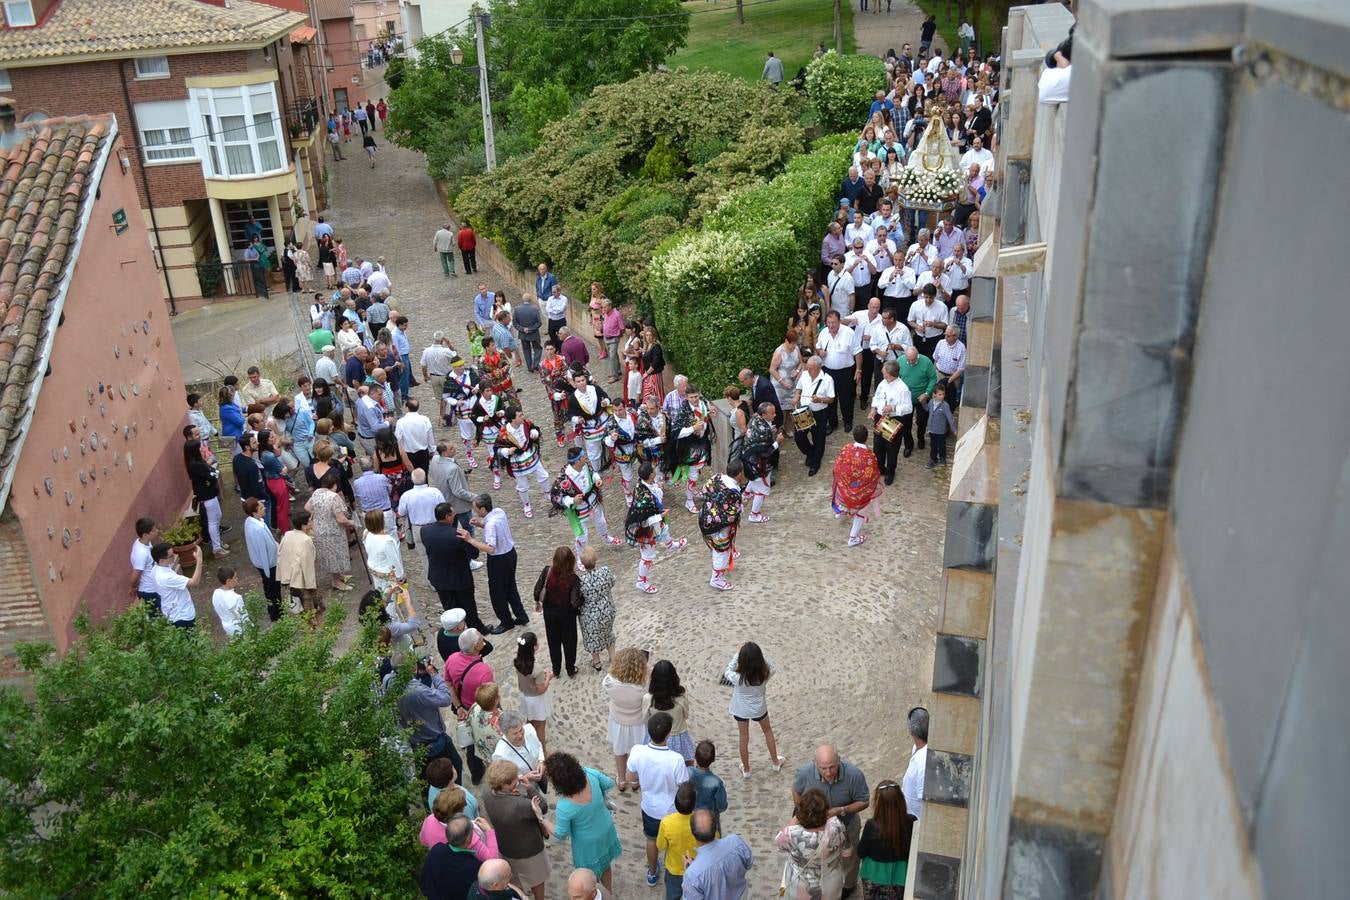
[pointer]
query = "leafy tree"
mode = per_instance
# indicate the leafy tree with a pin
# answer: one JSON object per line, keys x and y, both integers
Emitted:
{"x": 156, "y": 762}
{"x": 436, "y": 101}
{"x": 534, "y": 106}
{"x": 583, "y": 43}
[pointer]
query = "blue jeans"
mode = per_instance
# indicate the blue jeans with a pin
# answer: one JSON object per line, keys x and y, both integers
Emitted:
{"x": 674, "y": 886}
{"x": 405, "y": 379}
{"x": 937, "y": 447}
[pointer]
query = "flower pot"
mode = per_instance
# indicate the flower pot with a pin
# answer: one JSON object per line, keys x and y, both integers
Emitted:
{"x": 187, "y": 553}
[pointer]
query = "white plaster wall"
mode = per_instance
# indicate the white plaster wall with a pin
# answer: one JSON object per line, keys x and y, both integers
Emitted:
{"x": 1178, "y": 829}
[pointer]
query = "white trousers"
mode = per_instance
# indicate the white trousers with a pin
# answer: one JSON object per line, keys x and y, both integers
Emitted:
{"x": 758, "y": 490}
{"x": 212, "y": 509}
{"x": 538, "y": 473}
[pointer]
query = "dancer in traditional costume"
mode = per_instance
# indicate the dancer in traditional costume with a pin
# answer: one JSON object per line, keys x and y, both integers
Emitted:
{"x": 586, "y": 409}
{"x": 496, "y": 366}
{"x": 651, "y": 435}
{"x": 461, "y": 394}
{"x": 489, "y": 413}
{"x": 576, "y": 493}
{"x": 690, "y": 443}
{"x": 518, "y": 448}
{"x": 646, "y": 526}
{"x": 553, "y": 373}
{"x": 857, "y": 485}
{"x": 759, "y": 455}
{"x": 621, "y": 440}
{"x": 719, "y": 516}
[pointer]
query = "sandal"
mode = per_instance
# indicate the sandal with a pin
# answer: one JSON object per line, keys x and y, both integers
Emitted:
{"x": 745, "y": 773}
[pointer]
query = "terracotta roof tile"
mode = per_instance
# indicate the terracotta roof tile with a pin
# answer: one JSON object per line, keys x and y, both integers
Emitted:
{"x": 92, "y": 28}
{"x": 45, "y": 180}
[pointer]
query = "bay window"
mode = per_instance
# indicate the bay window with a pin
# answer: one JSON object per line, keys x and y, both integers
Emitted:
{"x": 240, "y": 131}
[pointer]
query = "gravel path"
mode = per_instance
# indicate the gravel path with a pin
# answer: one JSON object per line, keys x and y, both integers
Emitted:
{"x": 850, "y": 630}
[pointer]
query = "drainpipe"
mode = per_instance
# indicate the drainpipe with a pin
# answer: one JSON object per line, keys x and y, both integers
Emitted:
{"x": 145, "y": 184}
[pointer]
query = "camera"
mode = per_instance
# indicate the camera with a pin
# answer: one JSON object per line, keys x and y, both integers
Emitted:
{"x": 1065, "y": 47}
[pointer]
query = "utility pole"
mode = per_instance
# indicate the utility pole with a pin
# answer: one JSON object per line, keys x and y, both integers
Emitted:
{"x": 740, "y": 13}
{"x": 489, "y": 139}
{"x": 838, "y": 30}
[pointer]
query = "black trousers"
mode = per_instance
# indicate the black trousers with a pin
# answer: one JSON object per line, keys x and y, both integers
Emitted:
{"x": 470, "y": 260}
{"x": 906, "y": 436}
{"x": 560, "y": 630}
{"x": 272, "y": 591}
{"x": 862, "y": 293}
{"x": 553, "y": 326}
{"x": 870, "y": 370}
{"x": 845, "y": 397}
{"x": 920, "y": 418}
{"x": 925, "y": 345}
{"x": 886, "y": 452}
{"x": 420, "y": 459}
{"x": 501, "y": 573}
{"x": 462, "y": 600}
{"x": 812, "y": 442}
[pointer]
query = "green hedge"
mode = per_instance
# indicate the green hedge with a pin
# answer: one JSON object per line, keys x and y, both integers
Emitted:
{"x": 723, "y": 294}
{"x": 842, "y": 89}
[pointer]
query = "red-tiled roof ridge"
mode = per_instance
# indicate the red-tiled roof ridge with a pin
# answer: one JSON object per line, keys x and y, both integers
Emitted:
{"x": 45, "y": 193}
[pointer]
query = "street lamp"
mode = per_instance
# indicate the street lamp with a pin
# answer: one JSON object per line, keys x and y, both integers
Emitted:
{"x": 457, "y": 57}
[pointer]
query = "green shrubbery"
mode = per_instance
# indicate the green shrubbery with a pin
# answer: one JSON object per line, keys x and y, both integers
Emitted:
{"x": 842, "y": 89}
{"x": 157, "y": 763}
{"x": 633, "y": 165}
{"x": 723, "y": 294}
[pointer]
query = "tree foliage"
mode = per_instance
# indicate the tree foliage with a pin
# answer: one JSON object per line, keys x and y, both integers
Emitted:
{"x": 583, "y": 43}
{"x": 842, "y": 88}
{"x": 629, "y": 167}
{"x": 156, "y": 762}
{"x": 722, "y": 294}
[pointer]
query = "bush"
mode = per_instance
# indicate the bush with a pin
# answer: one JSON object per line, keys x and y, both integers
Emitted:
{"x": 721, "y": 298}
{"x": 155, "y": 762}
{"x": 721, "y": 295}
{"x": 842, "y": 89}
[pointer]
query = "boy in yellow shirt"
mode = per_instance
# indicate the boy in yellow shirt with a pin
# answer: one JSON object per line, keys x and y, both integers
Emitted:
{"x": 676, "y": 839}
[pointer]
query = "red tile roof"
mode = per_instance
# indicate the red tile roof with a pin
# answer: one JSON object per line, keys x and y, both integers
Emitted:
{"x": 47, "y": 180}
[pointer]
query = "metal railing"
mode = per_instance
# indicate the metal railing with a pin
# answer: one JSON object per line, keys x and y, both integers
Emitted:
{"x": 303, "y": 116}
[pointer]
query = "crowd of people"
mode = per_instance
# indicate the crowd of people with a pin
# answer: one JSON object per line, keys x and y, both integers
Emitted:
{"x": 353, "y": 462}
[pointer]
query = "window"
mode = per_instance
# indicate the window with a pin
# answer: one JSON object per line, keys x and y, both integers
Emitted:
{"x": 240, "y": 130}
{"x": 5, "y": 83}
{"x": 166, "y": 133}
{"x": 152, "y": 67}
{"x": 167, "y": 143}
{"x": 19, "y": 13}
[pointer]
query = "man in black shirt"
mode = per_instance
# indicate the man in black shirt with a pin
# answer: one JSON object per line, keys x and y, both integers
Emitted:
{"x": 450, "y": 870}
{"x": 248, "y": 474}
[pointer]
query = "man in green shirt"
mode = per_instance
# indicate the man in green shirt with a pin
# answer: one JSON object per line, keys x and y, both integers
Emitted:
{"x": 918, "y": 374}
{"x": 319, "y": 337}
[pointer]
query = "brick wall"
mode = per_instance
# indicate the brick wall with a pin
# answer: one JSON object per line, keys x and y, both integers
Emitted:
{"x": 95, "y": 88}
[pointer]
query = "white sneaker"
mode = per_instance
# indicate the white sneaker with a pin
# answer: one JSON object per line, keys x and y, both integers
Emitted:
{"x": 476, "y": 564}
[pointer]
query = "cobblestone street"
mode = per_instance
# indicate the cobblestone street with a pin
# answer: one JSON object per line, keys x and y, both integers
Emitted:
{"x": 850, "y": 631}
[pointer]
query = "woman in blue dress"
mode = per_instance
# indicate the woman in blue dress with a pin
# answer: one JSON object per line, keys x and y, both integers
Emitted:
{"x": 583, "y": 816}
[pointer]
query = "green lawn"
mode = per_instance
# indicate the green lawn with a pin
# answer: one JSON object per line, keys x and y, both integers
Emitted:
{"x": 993, "y": 15}
{"x": 790, "y": 28}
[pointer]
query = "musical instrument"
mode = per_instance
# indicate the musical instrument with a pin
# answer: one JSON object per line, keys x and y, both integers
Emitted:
{"x": 888, "y": 427}
{"x": 803, "y": 418}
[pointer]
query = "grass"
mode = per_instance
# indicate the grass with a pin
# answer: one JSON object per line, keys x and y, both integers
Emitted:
{"x": 790, "y": 28}
{"x": 993, "y": 15}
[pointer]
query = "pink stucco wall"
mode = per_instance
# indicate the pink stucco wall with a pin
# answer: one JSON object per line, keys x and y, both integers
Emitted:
{"x": 124, "y": 438}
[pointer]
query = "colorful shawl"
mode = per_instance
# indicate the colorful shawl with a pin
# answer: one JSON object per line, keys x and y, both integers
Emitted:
{"x": 857, "y": 479}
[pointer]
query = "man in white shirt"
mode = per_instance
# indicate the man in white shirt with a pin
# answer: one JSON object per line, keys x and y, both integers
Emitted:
{"x": 325, "y": 366}
{"x": 379, "y": 283}
{"x": 175, "y": 601}
{"x": 143, "y": 565}
{"x": 438, "y": 361}
{"x": 228, "y": 603}
{"x": 935, "y": 64}
{"x": 885, "y": 215}
{"x": 839, "y": 287}
{"x": 881, "y": 248}
{"x": 862, "y": 266}
{"x": 892, "y": 400}
{"x": 921, "y": 253}
{"x": 858, "y": 228}
{"x": 839, "y": 359}
{"x": 978, "y": 155}
{"x": 659, "y": 771}
{"x": 418, "y": 505}
{"x": 958, "y": 269}
{"x": 815, "y": 390}
{"x": 912, "y": 784}
{"x": 866, "y": 326}
{"x": 415, "y": 435}
{"x": 555, "y": 309}
{"x": 500, "y": 548}
{"x": 896, "y": 285}
{"x": 927, "y": 320}
{"x": 936, "y": 276}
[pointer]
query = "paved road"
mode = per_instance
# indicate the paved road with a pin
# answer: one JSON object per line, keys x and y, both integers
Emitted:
{"x": 850, "y": 630}
{"x": 878, "y": 31}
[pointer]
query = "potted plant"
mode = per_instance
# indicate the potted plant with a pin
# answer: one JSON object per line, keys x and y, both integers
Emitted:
{"x": 183, "y": 537}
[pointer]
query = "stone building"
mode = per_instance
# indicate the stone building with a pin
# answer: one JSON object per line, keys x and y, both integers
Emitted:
{"x": 222, "y": 109}
{"x": 1141, "y": 644}
{"x": 91, "y": 403}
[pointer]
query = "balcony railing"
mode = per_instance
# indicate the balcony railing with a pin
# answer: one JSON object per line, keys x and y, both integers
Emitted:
{"x": 302, "y": 117}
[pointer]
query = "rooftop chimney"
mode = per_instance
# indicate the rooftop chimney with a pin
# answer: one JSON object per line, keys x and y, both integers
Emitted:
{"x": 9, "y": 133}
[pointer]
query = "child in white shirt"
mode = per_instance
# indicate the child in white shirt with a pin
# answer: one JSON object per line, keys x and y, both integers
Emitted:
{"x": 229, "y": 603}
